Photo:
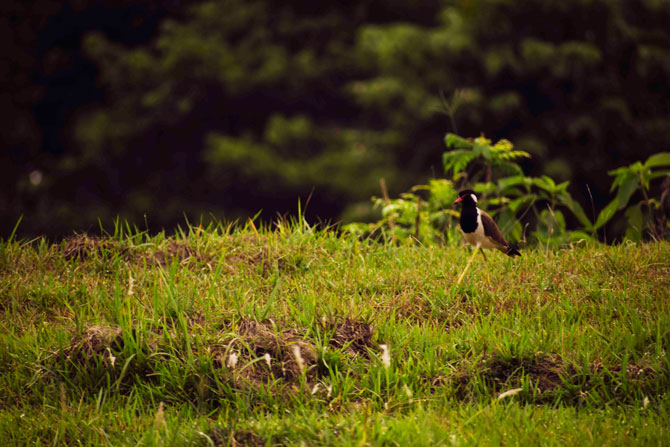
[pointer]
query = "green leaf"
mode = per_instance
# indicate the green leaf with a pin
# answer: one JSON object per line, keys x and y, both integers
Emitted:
{"x": 514, "y": 205}
{"x": 635, "y": 222}
{"x": 660, "y": 159}
{"x": 627, "y": 187}
{"x": 545, "y": 183}
{"x": 661, "y": 173}
{"x": 482, "y": 150}
{"x": 484, "y": 188}
{"x": 576, "y": 209}
{"x": 508, "y": 182}
{"x": 509, "y": 225}
{"x": 455, "y": 141}
{"x": 606, "y": 214}
{"x": 507, "y": 167}
{"x": 563, "y": 187}
{"x": 457, "y": 160}
{"x": 622, "y": 173}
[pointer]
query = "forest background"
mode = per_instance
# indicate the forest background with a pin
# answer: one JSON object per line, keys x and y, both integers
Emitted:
{"x": 158, "y": 112}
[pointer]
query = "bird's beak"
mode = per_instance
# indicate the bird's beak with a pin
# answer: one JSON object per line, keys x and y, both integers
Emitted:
{"x": 459, "y": 200}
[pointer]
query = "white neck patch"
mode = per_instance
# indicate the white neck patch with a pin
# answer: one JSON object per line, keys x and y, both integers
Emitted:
{"x": 474, "y": 197}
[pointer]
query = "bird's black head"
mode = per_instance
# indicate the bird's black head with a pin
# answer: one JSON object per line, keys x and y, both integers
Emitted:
{"x": 467, "y": 197}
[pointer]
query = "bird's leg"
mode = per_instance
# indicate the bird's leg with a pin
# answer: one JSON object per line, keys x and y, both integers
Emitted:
{"x": 487, "y": 264}
{"x": 467, "y": 266}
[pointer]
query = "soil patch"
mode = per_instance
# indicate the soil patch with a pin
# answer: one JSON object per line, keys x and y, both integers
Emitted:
{"x": 354, "y": 336}
{"x": 83, "y": 246}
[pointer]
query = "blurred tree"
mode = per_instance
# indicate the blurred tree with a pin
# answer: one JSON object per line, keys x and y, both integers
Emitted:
{"x": 45, "y": 79}
{"x": 235, "y": 106}
{"x": 583, "y": 85}
{"x": 241, "y": 106}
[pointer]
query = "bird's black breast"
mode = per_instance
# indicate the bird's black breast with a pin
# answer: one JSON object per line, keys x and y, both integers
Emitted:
{"x": 469, "y": 220}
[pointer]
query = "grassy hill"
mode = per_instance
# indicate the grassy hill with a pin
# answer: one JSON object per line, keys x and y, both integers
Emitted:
{"x": 296, "y": 336}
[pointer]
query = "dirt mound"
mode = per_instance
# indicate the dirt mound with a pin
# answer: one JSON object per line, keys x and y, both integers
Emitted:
{"x": 353, "y": 336}
{"x": 260, "y": 351}
{"x": 83, "y": 246}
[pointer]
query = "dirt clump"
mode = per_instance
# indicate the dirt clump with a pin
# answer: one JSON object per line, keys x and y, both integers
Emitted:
{"x": 259, "y": 352}
{"x": 83, "y": 246}
{"x": 353, "y": 336}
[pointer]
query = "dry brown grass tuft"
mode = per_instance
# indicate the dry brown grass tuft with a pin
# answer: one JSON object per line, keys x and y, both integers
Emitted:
{"x": 95, "y": 342}
{"x": 83, "y": 246}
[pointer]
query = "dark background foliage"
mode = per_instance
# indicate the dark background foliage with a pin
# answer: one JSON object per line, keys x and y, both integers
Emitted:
{"x": 154, "y": 111}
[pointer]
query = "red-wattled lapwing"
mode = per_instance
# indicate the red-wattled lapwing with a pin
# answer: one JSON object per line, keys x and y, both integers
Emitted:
{"x": 479, "y": 229}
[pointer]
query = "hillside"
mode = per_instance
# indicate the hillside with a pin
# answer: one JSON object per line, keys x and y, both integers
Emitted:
{"x": 298, "y": 336}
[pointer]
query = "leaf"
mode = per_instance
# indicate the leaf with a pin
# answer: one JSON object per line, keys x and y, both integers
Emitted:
{"x": 509, "y": 225}
{"x": 482, "y": 150}
{"x": 606, "y": 214}
{"x": 457, "y": 160}
{"x": 503, "y": 146}
{"x": 645, "y": 178}
{"x": 505, "y": 183}
{"x": 563, "y": 187}
{"x": 455, "y": 141}
{"x": 635, "y": 222}
{"x": 559, "y": 219}
{"x": 627, "y": 187}
{"x": 619, "y": 174}
{"x": 515, "y": 204}
{"x": 660, "y": 159}
{"x": 545, "y": 183}
{"x": 511, "y": 155}
{"x": 661, "y": 173}
{"x": 576, "y": 209}
{"x": 550, "y": 223}
{"x": 508, "y": 167}
{"x": 484, "y": 188}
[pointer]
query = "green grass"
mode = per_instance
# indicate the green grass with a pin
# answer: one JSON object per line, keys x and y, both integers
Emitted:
{"x": 238, "y": 336}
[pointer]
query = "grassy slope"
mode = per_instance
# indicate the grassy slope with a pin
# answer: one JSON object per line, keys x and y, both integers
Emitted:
{"x": 132, "y": 339}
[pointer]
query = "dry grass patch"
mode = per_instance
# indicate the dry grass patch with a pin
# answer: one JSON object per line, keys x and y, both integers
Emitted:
{"x": 96, "y": 342}
{"x": 83, "y": 246}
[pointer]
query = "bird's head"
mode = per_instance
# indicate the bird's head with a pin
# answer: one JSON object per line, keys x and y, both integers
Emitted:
{"x": 467, "y": 196}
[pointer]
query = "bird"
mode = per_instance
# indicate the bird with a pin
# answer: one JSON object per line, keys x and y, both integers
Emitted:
{"x": 479, "y": 229}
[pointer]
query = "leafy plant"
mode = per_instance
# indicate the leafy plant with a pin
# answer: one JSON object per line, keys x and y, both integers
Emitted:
{"x": 628, "y": 180}
{"x": 470, "y": 160}
{"x": 493, "y": 171}
{"x": 422, "y": 214}
{"x": 539, "y": 202}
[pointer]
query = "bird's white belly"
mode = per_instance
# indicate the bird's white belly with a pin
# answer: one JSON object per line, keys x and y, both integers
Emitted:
{"x": 478, "y": 238}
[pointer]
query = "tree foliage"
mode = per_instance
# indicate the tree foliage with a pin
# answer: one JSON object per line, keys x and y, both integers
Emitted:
{"x": 235, "y": 106}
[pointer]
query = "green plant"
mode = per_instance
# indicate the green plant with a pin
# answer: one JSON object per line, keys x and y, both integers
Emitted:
{"x": 628, "y": 180}
{"x": 422, "y": 214}
{"x": 425, "y": 213}
{"x": 494, "y": 172}
{"x": 474, "y": 160}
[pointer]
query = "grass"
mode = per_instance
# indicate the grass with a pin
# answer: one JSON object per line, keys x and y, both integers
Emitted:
{"x": 246, "y": 336}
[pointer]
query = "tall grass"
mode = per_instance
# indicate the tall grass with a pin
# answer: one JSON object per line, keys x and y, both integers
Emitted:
{"x": 290, "y": 335}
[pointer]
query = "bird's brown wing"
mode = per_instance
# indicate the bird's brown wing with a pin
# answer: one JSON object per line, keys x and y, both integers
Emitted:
{"x": 492, "y": 231}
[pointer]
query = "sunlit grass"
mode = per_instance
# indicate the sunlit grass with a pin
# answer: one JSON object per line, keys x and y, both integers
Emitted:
{"x": 289, "y": 334}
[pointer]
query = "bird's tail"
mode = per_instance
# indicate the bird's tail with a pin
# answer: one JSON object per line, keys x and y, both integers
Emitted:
{"x": 512, "y": 250}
